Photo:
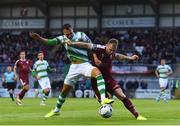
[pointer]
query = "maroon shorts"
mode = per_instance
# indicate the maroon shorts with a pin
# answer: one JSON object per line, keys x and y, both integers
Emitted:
{"x": 24, "y": 80}
{"x": 110, "y": 84}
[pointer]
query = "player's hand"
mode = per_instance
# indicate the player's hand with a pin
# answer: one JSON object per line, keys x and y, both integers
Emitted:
{"x": 16, "y": 78}
{"x": 134, "y": 57}
{"x": 35, "y": 36}
{"x": 38, "y": 77}
{"x": 69, "y": 43}
{"x": 97, "y": 62}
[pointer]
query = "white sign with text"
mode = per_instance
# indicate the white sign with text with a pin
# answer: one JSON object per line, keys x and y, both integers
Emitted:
{"x": 150, "y": 93}
{"x": 22, "y": 23}
{"x": 128, "y": 22}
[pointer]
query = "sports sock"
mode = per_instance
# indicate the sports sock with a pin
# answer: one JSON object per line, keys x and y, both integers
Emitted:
{"x": 60, "y": 101}
{"x": 101, "y": 86}
{"x": 164, "y": 95}
{"x": 160, "y": 94}
{"x": 45, "y": 96}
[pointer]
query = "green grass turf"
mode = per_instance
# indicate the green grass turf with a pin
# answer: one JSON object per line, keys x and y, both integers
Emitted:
{"x": 85, "y": 112}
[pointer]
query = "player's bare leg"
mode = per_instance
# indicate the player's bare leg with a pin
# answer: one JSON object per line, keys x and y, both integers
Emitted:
{"x": 21, "y": 94}
{"x": 11, "y": 92}
{"x": 101, "y": 86}
{"x": 127, "y": 103}
{"x": 61, "y": 99}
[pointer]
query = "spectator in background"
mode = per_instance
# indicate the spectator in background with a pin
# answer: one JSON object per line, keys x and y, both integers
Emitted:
{"x": 151, "y": 44}
{"x": 136, "y": 84}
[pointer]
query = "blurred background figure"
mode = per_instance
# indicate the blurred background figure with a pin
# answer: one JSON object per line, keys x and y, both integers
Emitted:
{"x": 9, "y": 81}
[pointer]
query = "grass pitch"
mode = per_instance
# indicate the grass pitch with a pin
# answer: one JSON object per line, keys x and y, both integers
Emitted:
{"x": 85, "y": 112}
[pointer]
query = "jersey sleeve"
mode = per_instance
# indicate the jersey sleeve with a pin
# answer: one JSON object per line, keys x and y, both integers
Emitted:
{"x": 62, "y": 39}
{"x": 16, "y": 65}
{"x": 58, "y": 40}
{"x": 157, "y": 69}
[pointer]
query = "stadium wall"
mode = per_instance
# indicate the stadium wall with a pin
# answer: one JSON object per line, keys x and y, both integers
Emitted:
{"x": 114, "y": 16}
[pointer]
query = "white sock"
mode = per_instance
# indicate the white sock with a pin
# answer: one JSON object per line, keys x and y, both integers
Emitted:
{"x": 56, "y": 109}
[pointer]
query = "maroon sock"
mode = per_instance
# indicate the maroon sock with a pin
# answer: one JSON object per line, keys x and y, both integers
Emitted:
{"x": 128, "y": 104}
{"x": 22, "y": 93}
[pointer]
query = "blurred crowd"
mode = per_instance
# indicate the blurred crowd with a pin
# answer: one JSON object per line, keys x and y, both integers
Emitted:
{"x": 11, "y": 44}
{"x": 150, "y": 45}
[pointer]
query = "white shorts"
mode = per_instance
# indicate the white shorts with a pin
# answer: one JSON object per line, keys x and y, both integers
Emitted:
{"x": 163, "y": 82}
{"x": 76, "y": 71}
{"x": 44, "y": 83}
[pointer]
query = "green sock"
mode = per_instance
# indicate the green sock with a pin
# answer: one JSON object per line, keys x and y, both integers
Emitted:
{"x": 101, "y": 86}
{"x": 160, "y": 94}
{"x": 61, "y": 100}
{"x": 45, "y": 96}
{"x": 164, "y": 95}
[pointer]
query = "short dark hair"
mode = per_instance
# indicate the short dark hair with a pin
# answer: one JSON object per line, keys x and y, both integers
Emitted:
{"x": 162, "y": 58}
{"x": 22, "y": 51}
{"x": 66, "y": 26}
{"x": 113, "y": 41}
{"x": 40, "y": 52}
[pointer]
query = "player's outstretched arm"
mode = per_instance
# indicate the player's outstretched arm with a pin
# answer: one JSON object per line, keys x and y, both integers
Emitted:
{"x": 15, "y": 73}
{"x": 124, "y": 57}
{"x": 157, "y": 74}
{"x": 80, "y": 45}
{"x": 170, "y": 72}
{"x": 37, "y": 37}
{"x": 96, "y": 60}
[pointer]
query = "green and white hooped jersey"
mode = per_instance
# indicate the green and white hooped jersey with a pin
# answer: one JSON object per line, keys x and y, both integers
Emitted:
{"x": 163, "y": 70}
{"x": 75, "y": 54}
{"x": 41, "y": 67}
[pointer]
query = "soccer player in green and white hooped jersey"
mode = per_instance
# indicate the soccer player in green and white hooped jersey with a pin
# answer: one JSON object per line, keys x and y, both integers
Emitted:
{"x": 79, "y": 65}
{"x": 40, "y": 72}
{"x": 162, "y": 72}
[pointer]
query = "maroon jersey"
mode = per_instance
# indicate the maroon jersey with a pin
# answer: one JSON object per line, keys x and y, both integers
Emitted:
{"x": 105, "y": 68}
{"x": 23, "y": 69}
{"x": 106, "y": 60}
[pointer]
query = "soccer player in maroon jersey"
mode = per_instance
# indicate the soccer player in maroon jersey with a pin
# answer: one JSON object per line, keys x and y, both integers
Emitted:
{"x": 102, "y": 58}
{"x": 21, "y": 71}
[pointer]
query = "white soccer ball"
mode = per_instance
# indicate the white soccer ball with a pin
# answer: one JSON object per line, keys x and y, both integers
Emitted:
{"x": 106, "y": 111}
